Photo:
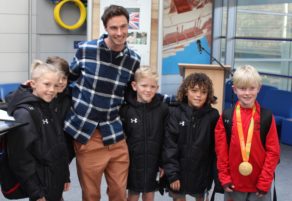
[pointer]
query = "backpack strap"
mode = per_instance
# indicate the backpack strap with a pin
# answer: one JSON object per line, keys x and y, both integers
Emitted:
{"x": 35, "y": 114}
{"x": 227, "y": 116}
{"x": 265, "y": 122}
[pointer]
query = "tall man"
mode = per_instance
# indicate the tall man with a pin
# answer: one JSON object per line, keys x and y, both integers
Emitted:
{"x": 103, "y": 68}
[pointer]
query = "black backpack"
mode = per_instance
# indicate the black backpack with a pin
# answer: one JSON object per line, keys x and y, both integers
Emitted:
{"x": 227, "y": 116}
{"x": 10, "y": 187}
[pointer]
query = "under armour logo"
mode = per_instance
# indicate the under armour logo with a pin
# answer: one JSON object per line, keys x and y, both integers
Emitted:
{"x": 45, "y": 121}
{"x": 181, "y": 123}
{"x": 134, "y": 120}
{"x": 30, "y": 107}
{"x": 226, "y": 121}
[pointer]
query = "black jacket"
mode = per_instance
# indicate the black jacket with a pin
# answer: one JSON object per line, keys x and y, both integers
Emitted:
{"x": 37, "y": 153}
{"x": 144, "y": 128}
{"x": 61, "y": 105}
{"x": 189, "y": 147}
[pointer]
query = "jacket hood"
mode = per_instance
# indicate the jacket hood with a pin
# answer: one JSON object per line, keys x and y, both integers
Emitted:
{"x": 131, "y": 99}
{"x": 23, "y": 95}
{"x": 199, "y": 112}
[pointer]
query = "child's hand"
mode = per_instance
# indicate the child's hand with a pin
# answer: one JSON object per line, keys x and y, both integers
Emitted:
{"x": 260, "y": 194}
{"x": 161, "y": 172}
{"x": 229, "y": 188}
{"x": 175, "y": 185}
{"x": 67, "y": 186}
{"x": 27, "y": 83}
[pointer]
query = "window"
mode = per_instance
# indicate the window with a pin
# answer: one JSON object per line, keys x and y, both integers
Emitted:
{"x": 261, "y": 37}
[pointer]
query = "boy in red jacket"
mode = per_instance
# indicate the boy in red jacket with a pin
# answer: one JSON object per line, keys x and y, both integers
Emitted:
{"x": 245, "y": 166}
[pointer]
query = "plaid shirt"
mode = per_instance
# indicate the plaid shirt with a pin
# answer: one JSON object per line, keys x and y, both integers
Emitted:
{"x": 102, "y": 79}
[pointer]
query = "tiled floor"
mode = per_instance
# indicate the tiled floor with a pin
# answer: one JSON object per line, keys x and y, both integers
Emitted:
{"x": 283, "y": 181}
{"x": 284, "y": 174}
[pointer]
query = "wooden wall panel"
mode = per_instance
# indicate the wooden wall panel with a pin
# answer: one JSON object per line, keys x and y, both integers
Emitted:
{"x": 154, "y": 34}
{"x": 95, "y": 19}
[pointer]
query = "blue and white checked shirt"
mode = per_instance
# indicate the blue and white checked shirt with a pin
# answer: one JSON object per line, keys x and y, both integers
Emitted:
{"x": 102, "y": 79}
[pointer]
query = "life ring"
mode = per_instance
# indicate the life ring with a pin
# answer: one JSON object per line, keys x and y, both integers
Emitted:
{"x": 82, "y": 17}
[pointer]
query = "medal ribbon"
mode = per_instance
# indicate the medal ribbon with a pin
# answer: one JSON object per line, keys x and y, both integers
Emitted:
{"x": 245, "y": 148}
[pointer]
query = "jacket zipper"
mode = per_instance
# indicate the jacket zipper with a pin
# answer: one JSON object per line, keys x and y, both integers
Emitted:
{"x": 145, "y": 143}
{"x": 191, "y": 132}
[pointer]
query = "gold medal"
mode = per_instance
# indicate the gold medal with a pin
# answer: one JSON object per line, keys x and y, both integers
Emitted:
{"x": 245, "y": 168}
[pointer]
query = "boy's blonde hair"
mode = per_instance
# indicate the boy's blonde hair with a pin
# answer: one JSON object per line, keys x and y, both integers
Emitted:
{"x": 39, "y": 68}
{"x": 246, "y": 76}
{"x": 145, "y": 72}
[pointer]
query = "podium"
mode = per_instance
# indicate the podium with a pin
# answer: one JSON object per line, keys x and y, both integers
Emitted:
{"x": 215, "y": 72}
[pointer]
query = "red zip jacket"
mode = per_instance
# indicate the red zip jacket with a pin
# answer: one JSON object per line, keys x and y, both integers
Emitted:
{"x": 263, "y": 159}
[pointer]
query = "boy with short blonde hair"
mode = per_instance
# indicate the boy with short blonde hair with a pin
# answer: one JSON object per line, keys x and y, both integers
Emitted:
{"x": 143, "y": 118}
{"x": 37, "y": 151}
{"x": 145, "y": 72}
{"x": 245, "y": 165}
{"x": 247, "y": 76}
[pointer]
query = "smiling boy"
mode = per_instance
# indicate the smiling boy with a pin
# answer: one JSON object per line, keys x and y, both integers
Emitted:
{"x": 246, "y": 166}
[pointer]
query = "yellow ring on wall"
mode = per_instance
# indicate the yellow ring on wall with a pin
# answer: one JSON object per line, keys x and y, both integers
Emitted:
{"x": 82, "y": 17}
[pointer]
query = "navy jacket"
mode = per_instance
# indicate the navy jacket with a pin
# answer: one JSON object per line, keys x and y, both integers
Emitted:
{"x": 189, "y": 147}
{"x": 144, "y": 128}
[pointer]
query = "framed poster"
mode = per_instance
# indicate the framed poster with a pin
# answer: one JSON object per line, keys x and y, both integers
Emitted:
{"x": 185, "y": 22}
{"x": 139, "y": 25}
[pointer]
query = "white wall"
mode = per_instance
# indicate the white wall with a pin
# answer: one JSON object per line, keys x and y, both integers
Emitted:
{"x": 24, "y": 37}
{"x": 13, "y": 40}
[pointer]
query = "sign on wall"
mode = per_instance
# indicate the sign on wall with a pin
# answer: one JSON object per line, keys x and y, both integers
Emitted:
{"x": 185, "y": 22}
{"x": 139, "y": 25}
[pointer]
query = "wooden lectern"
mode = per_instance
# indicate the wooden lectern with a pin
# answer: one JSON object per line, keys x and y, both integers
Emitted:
{"x": 215, "y": 72}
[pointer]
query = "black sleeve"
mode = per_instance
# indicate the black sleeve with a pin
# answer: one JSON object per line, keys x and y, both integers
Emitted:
{"x": 213, "y": 161}
{"x": 170, "y": 149}
{"x": 165, "y": 120}
{"x": 21, "y": 159}
{"x": 123, "y": 113}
